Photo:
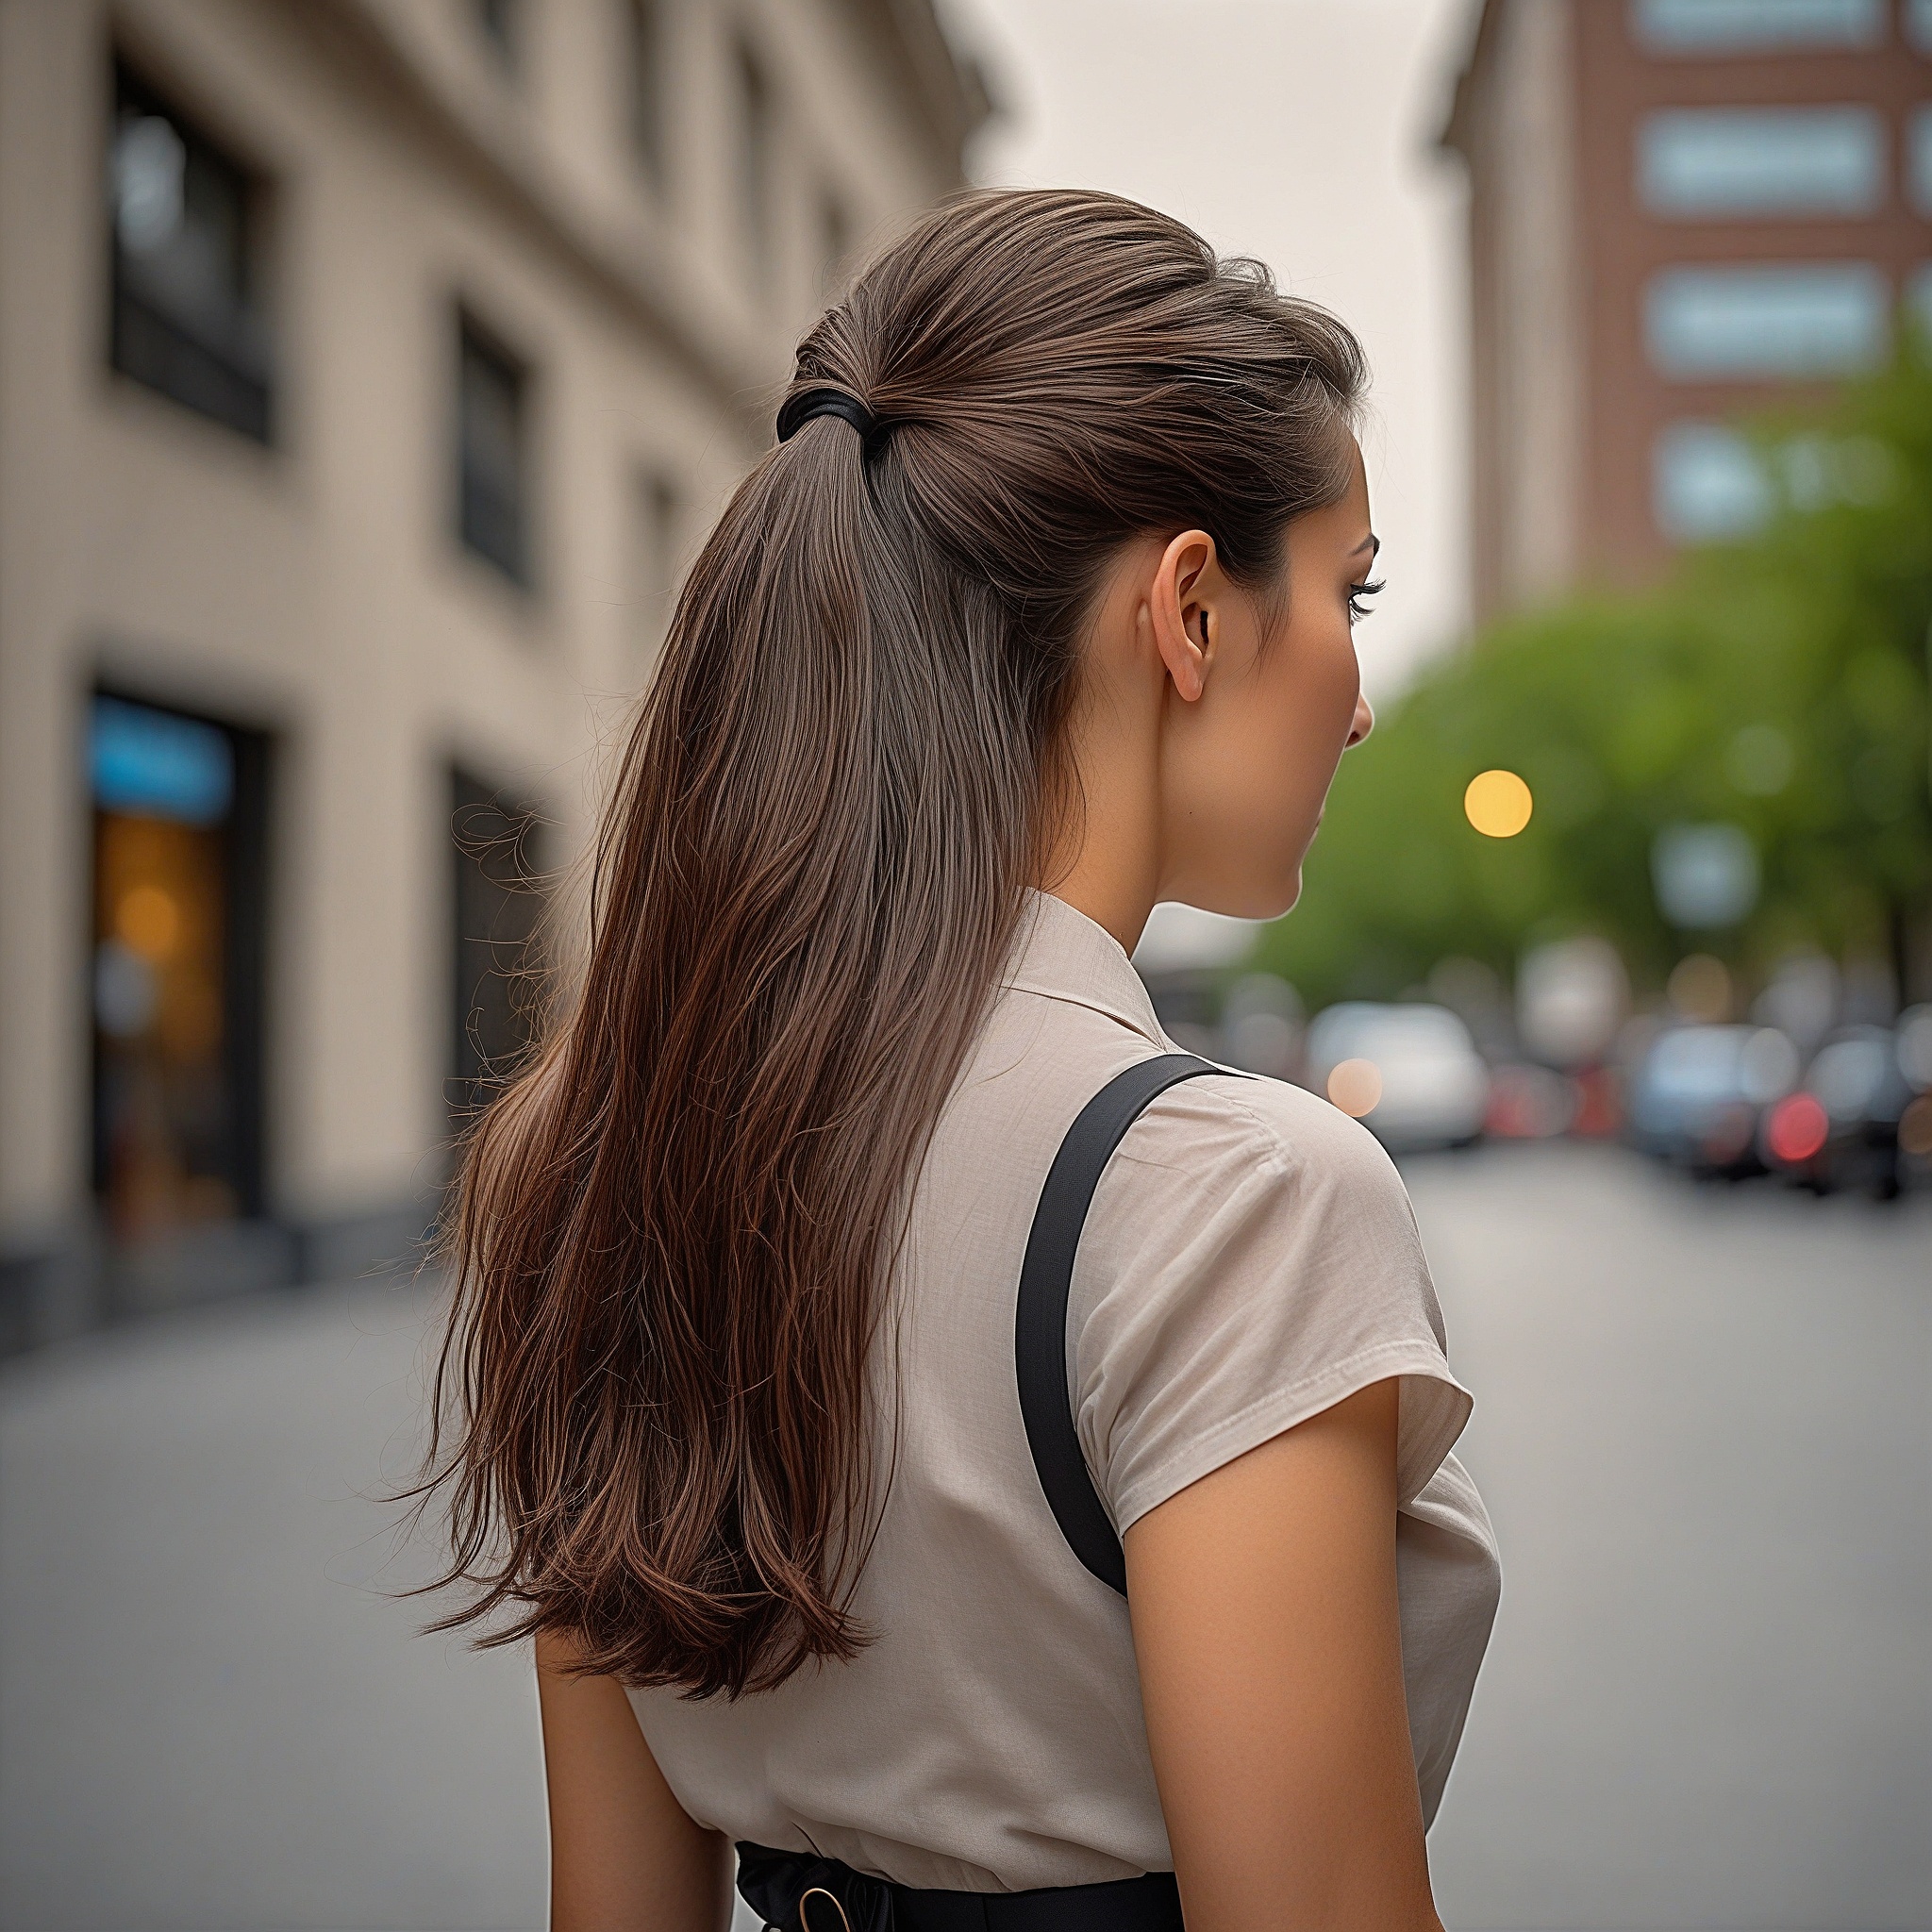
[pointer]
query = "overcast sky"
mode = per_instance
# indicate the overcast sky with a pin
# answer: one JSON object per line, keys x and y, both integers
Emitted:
{"x": 1300, "y": 131}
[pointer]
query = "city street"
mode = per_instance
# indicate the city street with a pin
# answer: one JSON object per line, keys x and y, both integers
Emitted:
{"x": 1702, "y": 1427}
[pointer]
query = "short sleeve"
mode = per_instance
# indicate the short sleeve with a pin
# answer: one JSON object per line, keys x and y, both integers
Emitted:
{"x": 1250, "y": 1260}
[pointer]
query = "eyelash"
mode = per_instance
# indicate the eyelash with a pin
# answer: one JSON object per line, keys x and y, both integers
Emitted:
{"x": 1357, "y": 608}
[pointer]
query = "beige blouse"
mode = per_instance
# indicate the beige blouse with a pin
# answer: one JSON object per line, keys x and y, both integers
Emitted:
{"x": 1250, "y": 1260}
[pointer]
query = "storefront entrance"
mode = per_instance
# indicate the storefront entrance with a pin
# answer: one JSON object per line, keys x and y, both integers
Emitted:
{"x": 179, "y": 924}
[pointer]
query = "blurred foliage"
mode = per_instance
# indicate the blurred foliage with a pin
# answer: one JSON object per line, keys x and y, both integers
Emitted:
{"x": 1780, "y": 684}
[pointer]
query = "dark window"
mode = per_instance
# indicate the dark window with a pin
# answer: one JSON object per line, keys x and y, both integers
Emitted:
{"x": 493, "y": 508}
{"x": 498, "y": 900}
{"x": 179, "y": 925}
{"x": 658, "y": 514}
{"x": 496, "y": 20}
{"x": 754, "y": 163}
{"x": 188, "y": 227}
{"x": 646, "y": 77}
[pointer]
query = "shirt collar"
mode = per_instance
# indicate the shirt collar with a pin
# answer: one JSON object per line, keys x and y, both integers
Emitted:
{"x": 1063, "y": 954}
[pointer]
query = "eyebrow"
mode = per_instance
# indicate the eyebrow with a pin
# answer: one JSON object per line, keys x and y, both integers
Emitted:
{"x": 1372, "y": 545}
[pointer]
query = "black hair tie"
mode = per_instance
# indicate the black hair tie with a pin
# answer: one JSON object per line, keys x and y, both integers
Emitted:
{"x": 800, "y": 409}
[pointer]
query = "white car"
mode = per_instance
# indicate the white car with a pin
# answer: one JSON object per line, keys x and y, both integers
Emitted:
{"x": 1411, "y": 1074}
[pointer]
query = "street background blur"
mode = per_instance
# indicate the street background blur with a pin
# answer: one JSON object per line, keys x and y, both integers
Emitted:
{"x": 368, "y": 371}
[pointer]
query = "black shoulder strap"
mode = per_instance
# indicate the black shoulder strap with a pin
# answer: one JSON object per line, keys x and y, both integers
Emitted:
{"x": 1046, "y": 1276}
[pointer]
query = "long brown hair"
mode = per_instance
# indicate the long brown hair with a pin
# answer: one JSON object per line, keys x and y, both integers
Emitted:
{"x": 673, "y": 1231}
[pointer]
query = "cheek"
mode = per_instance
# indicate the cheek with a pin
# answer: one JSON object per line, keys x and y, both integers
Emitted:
{"x": 1311, "y": 687}
{"x": 1271, "y": 745}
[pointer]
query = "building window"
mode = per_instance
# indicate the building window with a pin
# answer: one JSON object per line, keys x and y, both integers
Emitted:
{"x": 189, "y": 227}
{"x": 1816, "y": 319}
{"x": 1919, "y": 24}
{"x": 1717, "y": 161}
{"x": 180, "y": 890}
{"x": 1920, "y": 298}
{"x": 752, "y": 164}
{"x": 493, "y": 486}
{"x": 1753, "y": 26}
{"x": 1919, "y": 161}
{"x": 497, "y": 901}
{"x": 646, "y": 77}
{"x": 498, "y": 24}
{"x": 1706, "y": 484}
{"x": 657, "y": 525}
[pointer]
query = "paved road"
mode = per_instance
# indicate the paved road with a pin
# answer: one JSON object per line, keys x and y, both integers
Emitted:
{"x": 1701, "y": 1426}
{"x": 1704, "y": 1432}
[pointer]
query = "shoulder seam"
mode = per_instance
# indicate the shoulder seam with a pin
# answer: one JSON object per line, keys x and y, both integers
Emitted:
{"x": 1282, "y": 1150}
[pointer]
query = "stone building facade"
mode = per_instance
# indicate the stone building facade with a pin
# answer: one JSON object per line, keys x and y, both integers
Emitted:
{"x": 1680, "y": 212}
{"x": 367, "y": 368}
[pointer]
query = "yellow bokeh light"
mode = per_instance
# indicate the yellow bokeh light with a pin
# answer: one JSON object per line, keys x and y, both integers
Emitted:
{"x": 1356, "y": 1087}
{"x": 149, "y": 923}
{"x": 1497, "y": 804}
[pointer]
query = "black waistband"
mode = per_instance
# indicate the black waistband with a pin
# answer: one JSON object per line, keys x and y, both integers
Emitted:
{"x": 774, "y": 1884}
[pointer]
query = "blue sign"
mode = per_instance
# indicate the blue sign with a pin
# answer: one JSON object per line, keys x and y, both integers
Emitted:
{"x": 158, "y": 764}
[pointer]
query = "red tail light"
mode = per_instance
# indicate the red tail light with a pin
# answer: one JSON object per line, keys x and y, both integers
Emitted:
{"x": 1799, "y": 1127}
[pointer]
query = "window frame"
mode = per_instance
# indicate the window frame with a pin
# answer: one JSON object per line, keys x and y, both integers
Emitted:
{"x": 1684, "y": 127}
{"x": 1679, "y": 447}
{"x": 156, "y": 343}
{"x": 1865, "y": 26}
{"x": 1680, "y": 280}
{"x": 517, "y": 565}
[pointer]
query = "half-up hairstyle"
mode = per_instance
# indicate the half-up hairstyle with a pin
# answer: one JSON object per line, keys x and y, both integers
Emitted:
{"x": 673, "y": 1232}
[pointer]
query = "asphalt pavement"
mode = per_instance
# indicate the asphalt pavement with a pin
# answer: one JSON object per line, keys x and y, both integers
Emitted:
{"x": 1703, "y": 1430}
{"x": 1701, "y": 1426}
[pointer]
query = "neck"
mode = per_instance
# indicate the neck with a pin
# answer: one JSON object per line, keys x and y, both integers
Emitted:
{"x": 1108, "y": 866}
{"x": 1108, "y": 861}
{"x": 1124, "y": 915}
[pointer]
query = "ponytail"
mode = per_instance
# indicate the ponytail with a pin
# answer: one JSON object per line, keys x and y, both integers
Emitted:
{"x": 672, "y": 1235}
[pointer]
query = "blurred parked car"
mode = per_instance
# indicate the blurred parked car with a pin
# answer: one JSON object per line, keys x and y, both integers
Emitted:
{"x": 1700, "y": 1093}
{"x": 1409, "y": 1073}
{"x": 1529, "y": 1102}
{"x": 1841, "y": 1129}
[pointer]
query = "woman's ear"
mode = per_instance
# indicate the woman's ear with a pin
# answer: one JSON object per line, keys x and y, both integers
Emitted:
{"x": 1181, "y": 606}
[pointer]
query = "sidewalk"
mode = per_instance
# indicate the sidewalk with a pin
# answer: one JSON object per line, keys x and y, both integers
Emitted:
{"x": 211, "y": 1714}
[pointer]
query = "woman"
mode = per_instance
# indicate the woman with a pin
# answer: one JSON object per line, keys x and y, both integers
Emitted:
{"x": 1039, "y": 613}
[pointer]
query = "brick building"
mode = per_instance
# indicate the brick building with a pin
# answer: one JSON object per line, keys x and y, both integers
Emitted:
{"x": 1680, "y": 211}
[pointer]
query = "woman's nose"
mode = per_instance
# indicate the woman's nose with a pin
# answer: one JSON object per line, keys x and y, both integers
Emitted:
{"x": 1363, "y": 724}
